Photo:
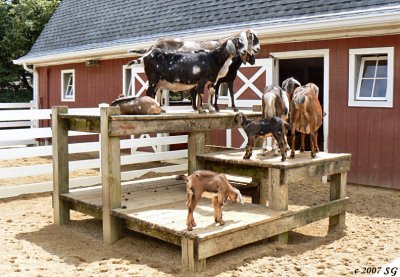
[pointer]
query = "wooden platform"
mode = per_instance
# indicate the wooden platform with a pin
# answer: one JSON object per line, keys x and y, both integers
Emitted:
{"x": 157, "y": 208}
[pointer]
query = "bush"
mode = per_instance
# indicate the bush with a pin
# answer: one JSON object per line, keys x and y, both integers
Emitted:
{"x": 22, "y": 96}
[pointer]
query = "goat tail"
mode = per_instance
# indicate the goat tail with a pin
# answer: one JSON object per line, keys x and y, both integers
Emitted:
{"x": 300, "y": 99}
{"x": 141, "y": 51}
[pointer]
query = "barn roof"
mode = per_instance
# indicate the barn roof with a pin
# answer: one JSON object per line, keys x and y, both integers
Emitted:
{"x": 87, "y": 25}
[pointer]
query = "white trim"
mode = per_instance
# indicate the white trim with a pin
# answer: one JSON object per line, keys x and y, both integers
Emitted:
{"x": 317, "y": 27}
{"x": 67, "y": 71}
{"x": 324, "y": 53}
{"x": 354, "y": 69}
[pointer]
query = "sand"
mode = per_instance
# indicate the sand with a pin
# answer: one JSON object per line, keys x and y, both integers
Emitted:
{"x": 31, "y": 245}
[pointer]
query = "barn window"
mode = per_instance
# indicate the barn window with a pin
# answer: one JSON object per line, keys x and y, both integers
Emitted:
{"x": 371, "y": 77}
{"x": 127, "y": 86}
{"x": 68, "y": 85}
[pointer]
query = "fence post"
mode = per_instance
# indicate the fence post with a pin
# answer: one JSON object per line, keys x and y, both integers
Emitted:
{"x": 110, "y": 176}
{"x": 60, "y": 165}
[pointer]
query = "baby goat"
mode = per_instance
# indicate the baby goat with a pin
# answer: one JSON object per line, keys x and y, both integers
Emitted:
{"x": 261, "y": 129}
{"x": 204, "y": 180}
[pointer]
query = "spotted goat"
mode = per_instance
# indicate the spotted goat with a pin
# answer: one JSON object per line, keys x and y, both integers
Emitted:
{"x": 248, "y": 38}
{"x": 178, "y": 71}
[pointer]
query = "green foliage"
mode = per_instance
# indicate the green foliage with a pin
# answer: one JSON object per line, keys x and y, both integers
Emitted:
{"x": 21, "y": 22}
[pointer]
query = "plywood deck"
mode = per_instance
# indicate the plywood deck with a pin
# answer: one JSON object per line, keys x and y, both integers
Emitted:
{"x": 158, "y": 208}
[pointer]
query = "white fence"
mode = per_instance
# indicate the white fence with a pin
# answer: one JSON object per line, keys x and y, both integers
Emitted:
{"x": 20, "y": 143}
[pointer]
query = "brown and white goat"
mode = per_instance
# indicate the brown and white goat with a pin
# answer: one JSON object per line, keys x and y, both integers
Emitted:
{"x": 275, "y": 102}
{"x": 204, "y": 180}
{"x": 261, "y": 129}
{"x": 305, "y": 116}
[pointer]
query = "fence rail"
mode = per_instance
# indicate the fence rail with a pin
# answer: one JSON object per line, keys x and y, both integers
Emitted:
{"x": 14, "y": 146}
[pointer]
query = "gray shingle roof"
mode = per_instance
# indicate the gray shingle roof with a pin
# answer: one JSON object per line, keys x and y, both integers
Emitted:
{"x": 91, "y": 24}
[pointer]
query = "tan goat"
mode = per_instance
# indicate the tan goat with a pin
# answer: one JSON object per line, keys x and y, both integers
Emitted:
{"x": 305, "y": 116}
{"x": 204, "y": 180}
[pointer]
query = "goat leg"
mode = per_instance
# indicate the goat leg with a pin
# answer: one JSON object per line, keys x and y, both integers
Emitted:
{"x": 302, "y": 147}
{"x": 293, "y": 142}
{"x": 193, "y": 95}
{"x": 215, "y": 205}
{"x": 216, "y": 96}
{"x": 211, "y": 94}
{"x": 312, "y": 145}
{"x": 230, "y": 86}
{"x": 316, "y": 142}
{"x": 220, "y": 204}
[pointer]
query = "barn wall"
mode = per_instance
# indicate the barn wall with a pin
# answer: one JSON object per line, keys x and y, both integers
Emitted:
{"x": 368, "y": 133}
{"x": 93, "y": 84}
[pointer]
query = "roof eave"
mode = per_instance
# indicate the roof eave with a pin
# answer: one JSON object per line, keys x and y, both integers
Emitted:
{"x": 310, "y": 29}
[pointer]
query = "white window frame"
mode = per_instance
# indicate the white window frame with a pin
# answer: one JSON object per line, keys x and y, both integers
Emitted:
{"x": 356, "y": 62}
{"x": 63, "y": 95}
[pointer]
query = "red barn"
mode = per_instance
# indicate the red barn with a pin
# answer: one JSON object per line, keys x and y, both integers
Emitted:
{"x": 350, "y": 49}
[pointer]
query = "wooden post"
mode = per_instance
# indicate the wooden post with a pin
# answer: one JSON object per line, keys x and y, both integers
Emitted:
{"x": 60, "y": 165}
{"x": 338, "y": 185}
{"x": 278, "y": 197}
{"x": 189, "y": 262}
{"x": 196, "y": 145}
{"x": 110, "y": 176}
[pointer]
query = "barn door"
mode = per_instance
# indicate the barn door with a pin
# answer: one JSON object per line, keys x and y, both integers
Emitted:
{"x": 249, "y": 86}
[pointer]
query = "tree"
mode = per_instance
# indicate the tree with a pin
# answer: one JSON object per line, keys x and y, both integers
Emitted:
{"x": 21, "y": 22}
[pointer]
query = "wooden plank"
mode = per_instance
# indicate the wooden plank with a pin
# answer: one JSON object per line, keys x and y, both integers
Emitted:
{"x": 60, "y": 166}
{"x": 174, "y": 122}
{"x": 338, "y": 185}
{"x": 111, "y": 177}
{"x": 89, "y": 124}
{"x": 212, "y": 246}
{"x": 260, "y": 161}
{"x": 189, "y": 262}
{"x": 196, "y": 144}
{"x": 278, "y": 196}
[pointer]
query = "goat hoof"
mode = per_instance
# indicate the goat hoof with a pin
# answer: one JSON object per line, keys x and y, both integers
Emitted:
{"x": 292, "y": 155}
{"x": 221, "y": 222}
{"x": 301, "y": 150}
{"x": 189, "y": 228}
{"x": 313, "y": 155}
{"x": 235, "y": 109}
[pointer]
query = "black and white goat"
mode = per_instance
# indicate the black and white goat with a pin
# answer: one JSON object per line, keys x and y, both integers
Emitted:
{"x": 247, "y": 37}
{"x": 230, "y": 78}
{"x": 178, "y": 71}
{"x": 262, "y": 128}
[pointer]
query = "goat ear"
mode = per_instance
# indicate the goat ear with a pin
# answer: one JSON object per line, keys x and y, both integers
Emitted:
{"x": 230, "y": 47}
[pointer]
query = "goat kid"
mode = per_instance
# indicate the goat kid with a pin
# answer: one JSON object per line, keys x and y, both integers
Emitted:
{"x": 183, "y": 71}
{"x": 261, "y": 129}
{"x": 305, "y": 116}
{"x": 204, "y": 180}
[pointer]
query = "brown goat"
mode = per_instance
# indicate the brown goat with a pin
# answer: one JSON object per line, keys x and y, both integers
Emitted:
{"x": 305, "y": 116}
{"x": 204, "y": 180}
{"x": 137, "y": 105}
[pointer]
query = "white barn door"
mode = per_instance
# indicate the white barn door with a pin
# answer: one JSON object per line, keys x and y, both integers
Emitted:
{"x": 249, "y": 86}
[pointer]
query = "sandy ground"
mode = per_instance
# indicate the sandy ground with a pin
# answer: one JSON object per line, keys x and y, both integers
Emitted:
{"x": 31, "y": 245}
